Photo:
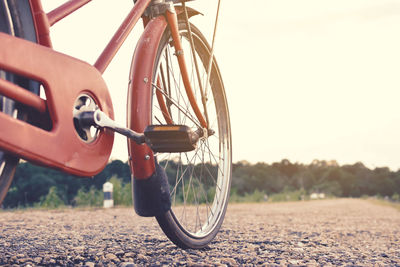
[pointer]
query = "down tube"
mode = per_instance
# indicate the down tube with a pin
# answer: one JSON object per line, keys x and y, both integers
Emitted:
{"x": 140, "y": 94}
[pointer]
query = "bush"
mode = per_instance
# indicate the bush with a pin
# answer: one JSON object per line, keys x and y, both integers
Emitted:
{"x": 52, "y": 199}
{"x": 256, "y": 196}
{"x": 122, "y": 193}
{"x": 91, "y": 198}
{"x": 289, "y": 196}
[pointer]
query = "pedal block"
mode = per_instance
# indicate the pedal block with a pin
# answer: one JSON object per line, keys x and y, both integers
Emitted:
{"x": 170, "y": 138}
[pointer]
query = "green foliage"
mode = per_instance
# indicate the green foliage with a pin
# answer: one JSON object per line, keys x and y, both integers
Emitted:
{"x": 234, "y": 196}
{"x": 94, "y": 197}
{"x": 261, "y": 196}
{"x": 289, "y": 196}
{"x": 52, "y": 200}
{"x": 256, "y": 196}
{"x": 91, "y": 198}
{"x": 396, "y": 197}
{"x": 122, "y": 193}
{"x": 320, "y": 176}
{"x": 280, "y": 181}
{"x": 31, "y": 183}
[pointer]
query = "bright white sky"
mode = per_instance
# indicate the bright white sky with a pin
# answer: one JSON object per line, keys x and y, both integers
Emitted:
{"x": 310, "y": 79}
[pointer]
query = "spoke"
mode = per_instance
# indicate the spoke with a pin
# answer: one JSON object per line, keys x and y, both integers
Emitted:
{"x": 197, "y": 209}
{"x": 190, "y": 186}
{"x": 215, "y": 180}
{"x": 181, "y": 177}
{"x": 214, "y": 136}
{"x": 208, "y": 208}
{"x": 214, "y": 122}
{"x": 187, "y": 108}
{"x": 158, "y": 120}
{"x": 168, "y": 76}
{"x": 177, "y": 105}
{"x": 167, "y": 88}
{"x": 183, "y": 107}
{"x": 201, "y": 176}
{"x": 203, "y": 192}
{"x": 212, "y": 177}
{"x": 170, "y": 69}
{"x": 167, "y": 162}
{"x": 190, "y": 35}
{"x": 176, "y": 179}
{"x": 162, "y": 112}
{"x": 212, "y": 154}
{"x": 184, "y": 199}
{"x": 210, "y": 173}
{"x": 191, "y": 176}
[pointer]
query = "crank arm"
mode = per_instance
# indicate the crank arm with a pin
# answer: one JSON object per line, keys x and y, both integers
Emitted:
{"x": 101, "y": 120}
{"x": 160, "y": 138}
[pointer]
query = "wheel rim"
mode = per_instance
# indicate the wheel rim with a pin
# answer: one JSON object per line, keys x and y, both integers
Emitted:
{"x": 200, "y": 179}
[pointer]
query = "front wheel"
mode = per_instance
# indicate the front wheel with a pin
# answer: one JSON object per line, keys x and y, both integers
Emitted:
{"x": 200, "y": 179}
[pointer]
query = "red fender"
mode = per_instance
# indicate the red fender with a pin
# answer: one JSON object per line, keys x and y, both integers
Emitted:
{"x": 140, "y": 94}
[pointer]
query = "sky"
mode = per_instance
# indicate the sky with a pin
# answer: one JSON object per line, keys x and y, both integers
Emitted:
{"x": 305, "y": 80}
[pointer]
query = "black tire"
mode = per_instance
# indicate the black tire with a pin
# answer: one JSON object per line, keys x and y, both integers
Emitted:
{"x": 206, "y": 171}
{"x": 15, "y": 19}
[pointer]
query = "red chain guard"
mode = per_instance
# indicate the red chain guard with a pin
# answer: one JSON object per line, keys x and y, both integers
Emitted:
{"x": 64, "y": 79}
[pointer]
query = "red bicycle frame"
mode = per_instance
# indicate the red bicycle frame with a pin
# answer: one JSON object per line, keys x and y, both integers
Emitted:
{"x": 65, "y": 78}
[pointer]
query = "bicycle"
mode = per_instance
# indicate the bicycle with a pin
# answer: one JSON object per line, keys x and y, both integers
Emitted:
{"x": 56, "y": 111}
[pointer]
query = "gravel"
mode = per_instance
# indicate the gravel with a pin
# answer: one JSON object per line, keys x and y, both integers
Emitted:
{"x": 347, "y": 232}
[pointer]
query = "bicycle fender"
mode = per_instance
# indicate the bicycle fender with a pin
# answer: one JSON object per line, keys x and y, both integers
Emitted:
{"x": 181, "y": 12}
{"x": 151, "y": 196}
{"x": 140, "y": 96}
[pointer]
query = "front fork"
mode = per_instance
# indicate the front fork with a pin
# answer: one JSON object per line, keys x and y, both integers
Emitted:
{"x": 172, "y": 20}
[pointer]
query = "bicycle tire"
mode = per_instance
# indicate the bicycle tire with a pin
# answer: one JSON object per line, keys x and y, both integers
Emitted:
{"x": 206, "y": 170}
{"x": 15, "y": 19}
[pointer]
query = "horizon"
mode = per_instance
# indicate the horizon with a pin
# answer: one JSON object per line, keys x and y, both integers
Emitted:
{"x": 331, "y": 162}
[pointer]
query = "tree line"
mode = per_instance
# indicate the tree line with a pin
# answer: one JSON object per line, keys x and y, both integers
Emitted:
{"x": 33, "y": 185}
{"x": 355, "y": 180}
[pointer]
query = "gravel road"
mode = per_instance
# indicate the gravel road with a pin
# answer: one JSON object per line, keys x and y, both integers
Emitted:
{"x": 326, "y": 232}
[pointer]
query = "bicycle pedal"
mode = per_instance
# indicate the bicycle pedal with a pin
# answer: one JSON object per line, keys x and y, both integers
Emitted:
{"x": 171, "y": 138}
